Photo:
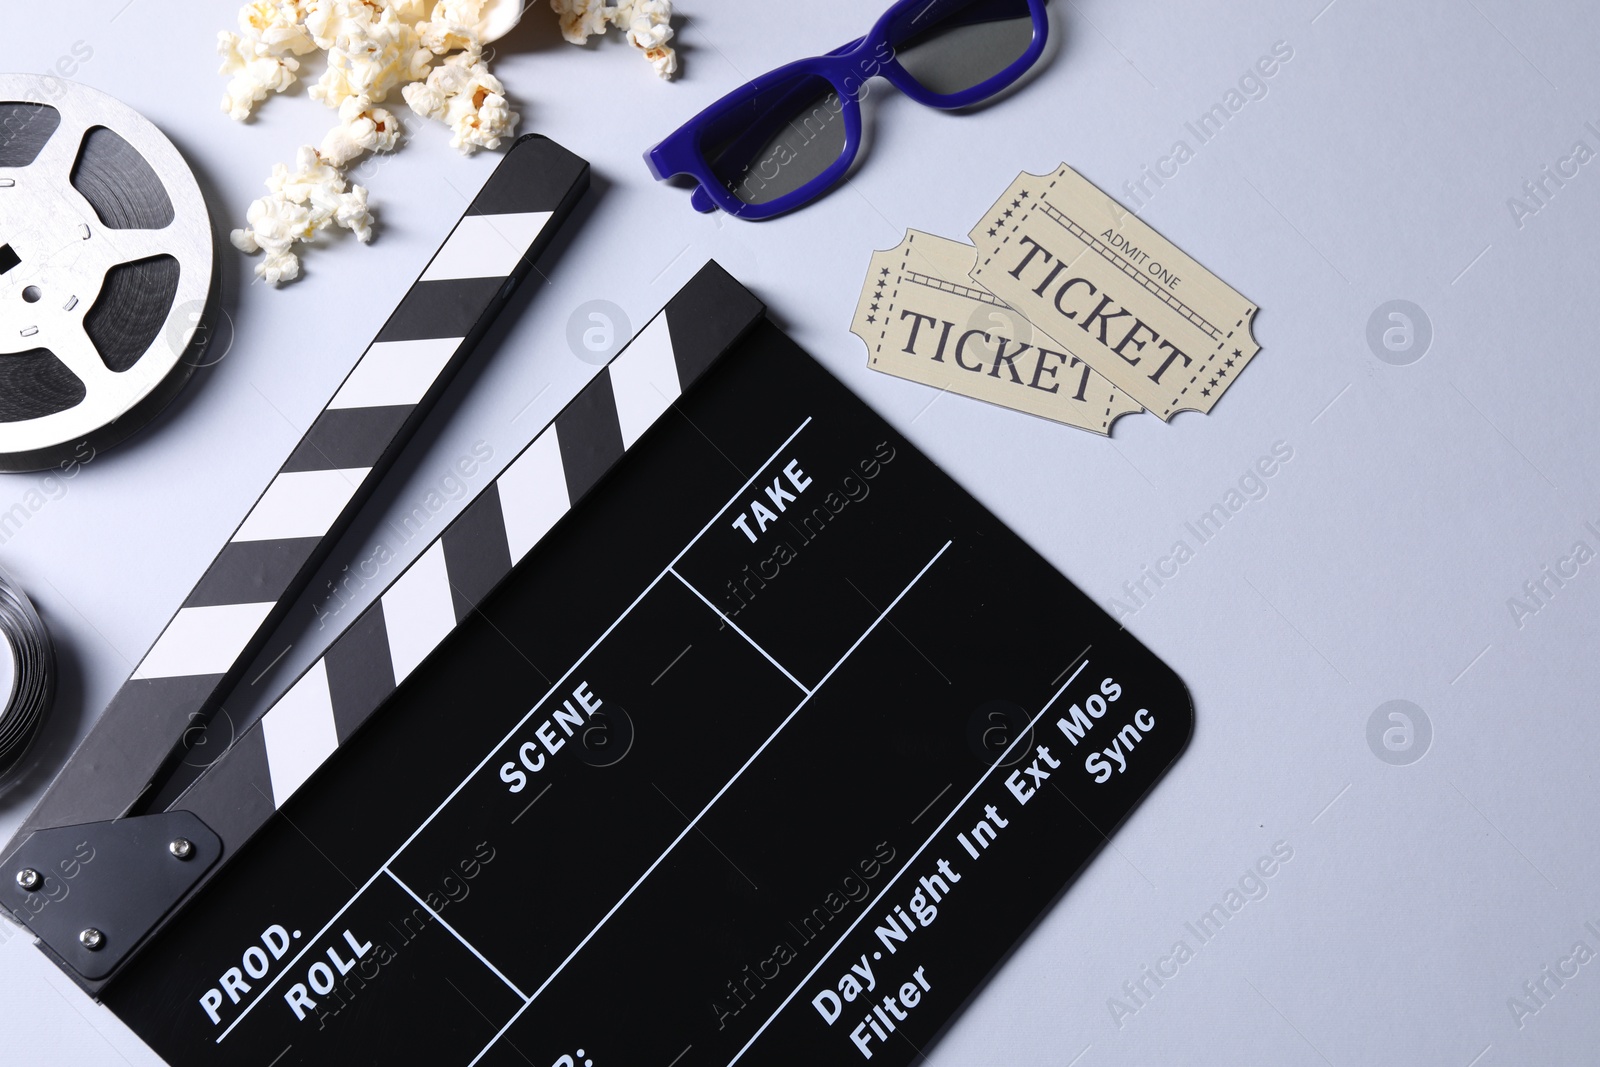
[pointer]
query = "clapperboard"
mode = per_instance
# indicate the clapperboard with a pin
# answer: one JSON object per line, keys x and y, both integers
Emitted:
{"x": 722, "y": 727}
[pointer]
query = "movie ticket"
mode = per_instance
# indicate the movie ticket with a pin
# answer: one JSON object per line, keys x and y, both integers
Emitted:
{"x": 924, "y": 320}
{"x": 1110, "y": 290}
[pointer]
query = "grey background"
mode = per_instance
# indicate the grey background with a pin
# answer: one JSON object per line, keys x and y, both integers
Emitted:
{"x": 1378, "y": 567}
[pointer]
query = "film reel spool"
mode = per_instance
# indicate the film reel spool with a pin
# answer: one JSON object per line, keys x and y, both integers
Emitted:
{"x": 106, "y": 271}
{"x": 26, "y": 696}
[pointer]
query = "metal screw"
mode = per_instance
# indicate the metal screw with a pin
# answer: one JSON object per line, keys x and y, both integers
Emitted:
{"x": 29, "y": 879}
{"x": 182, "y": 848}
{"x": 92, "y": 939}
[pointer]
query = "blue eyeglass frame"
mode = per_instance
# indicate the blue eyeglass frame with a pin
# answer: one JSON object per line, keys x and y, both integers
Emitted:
{"x": 848, "y": 69}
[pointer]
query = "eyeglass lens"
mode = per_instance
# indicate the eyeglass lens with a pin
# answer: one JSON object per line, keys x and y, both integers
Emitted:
{"x": 783, "y": 137}
{"x": 950, "y": 46}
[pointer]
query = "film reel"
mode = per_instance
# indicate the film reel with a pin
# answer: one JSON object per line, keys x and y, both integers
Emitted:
{"x": 106, "y": 261}
{"x": 27, "y": 676}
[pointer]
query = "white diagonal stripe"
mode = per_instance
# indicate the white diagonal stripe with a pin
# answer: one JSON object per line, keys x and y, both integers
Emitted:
{"x": 299, "y": 732}
{"x": 418, "y": 611}
{"x": 644, "y": 380}
{"x": 301, "y": 504}
{"x": 395, "y": 373}
{"x": 533, "y": 494}
{"x": 486, "y": 246}
{"x": 203, "y": 641}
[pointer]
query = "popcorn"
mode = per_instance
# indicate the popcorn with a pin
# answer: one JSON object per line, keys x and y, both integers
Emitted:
{"x": 646, "y": 23}
{"x": 411, "y": 12}
{"x": 375, "y": 47}
{"x": 371, "y": 51}
{"x": 351, "y": 213}
{"x": 261, "y": 56}
{"x": 665, "y": 62}
{"x": 253, "y": 76}
{"x": 462, "y": 92}
{"x": 452, "y": 27}
{"x": 580, "y": 19}
{"x": 331, "y": 22}
{"x": 277, "y": 25}
{"x": 649, "y": 24}
{"x": 300, "y": 203}
{"x": 362, "y": 128}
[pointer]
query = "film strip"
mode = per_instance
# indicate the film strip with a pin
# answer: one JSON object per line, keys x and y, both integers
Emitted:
{"x": 27, "y": 677}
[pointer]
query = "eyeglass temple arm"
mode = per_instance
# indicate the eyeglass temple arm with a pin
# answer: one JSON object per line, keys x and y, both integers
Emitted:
{"x": 769, "y": 119}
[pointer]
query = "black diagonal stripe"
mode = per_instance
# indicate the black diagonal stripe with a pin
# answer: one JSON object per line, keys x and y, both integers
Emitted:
{"x": 590, "y": 435}
{"x": 476, "y": 555}
{"x": 706, "y": 317}
{"x": 137, "y": 730}
{"x": 252, "y": 572}
{"x": 347, "y": 438}
{"x": 441, "y": 309}
{"x": 360, "y": 672}
{"x": 536, "y": 175}
{"x": 234, "y": 797}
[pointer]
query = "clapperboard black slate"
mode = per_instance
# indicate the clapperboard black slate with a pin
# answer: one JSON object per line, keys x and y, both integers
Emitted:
{"x": 768, "y": 754}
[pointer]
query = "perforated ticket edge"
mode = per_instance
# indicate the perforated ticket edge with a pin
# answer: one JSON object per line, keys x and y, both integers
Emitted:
{"x": 921, "y": 256}
{"x": 1049, "y": 203}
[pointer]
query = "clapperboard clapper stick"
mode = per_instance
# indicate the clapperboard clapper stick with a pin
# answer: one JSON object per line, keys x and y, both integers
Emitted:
{"x": 245, "y": 593}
